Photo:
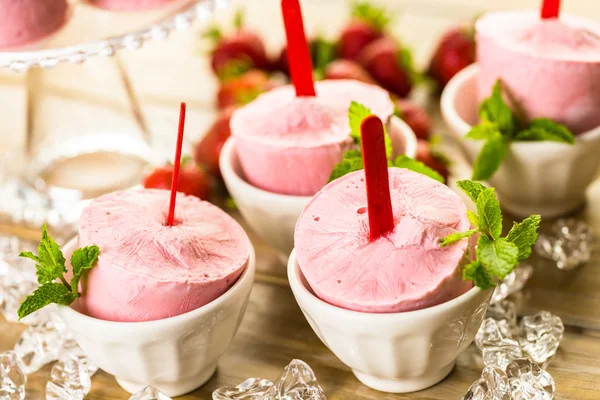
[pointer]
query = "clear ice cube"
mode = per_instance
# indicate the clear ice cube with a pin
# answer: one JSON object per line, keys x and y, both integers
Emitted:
{"x": 40, "y": 344}
{"x": 70, "y": 349}
{"x": 298, "y": 382}
{"x": 149, "y": 393}
{"x": 512, "y": 283}
{"x": 540, "y": 335}
{"x": 69, "y": 380}
{"x": 493, "y": 385}
{"x": 528, "y": 381}
{"x": 569, "y": 243}
{"x": 12, "y": 377}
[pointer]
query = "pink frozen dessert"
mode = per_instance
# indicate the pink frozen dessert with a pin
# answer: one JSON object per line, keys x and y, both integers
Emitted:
{"x": 23, "y": 22}
{"x": 549, "y": 67}
{"x": 289, "y": 145}
{"x": 148, "y": 270}
{"x": 403, "y": 270}
{"x": 131, "y": 5}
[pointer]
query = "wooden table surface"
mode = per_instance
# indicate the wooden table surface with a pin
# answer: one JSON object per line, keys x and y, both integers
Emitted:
{"x": 274, "y": 332}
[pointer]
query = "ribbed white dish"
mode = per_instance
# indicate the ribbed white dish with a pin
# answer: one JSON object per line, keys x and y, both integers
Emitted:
{"x": 399, "y": 352}
{"x": 175, "y": 355}
{"x": 273, "y": 216}
{"x": 544, "y": 178}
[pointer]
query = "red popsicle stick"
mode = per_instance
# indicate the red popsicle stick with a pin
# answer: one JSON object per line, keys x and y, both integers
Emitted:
{"x": 550, "y": 9}
{"x": 176, "y": 164}
{"x": 297, "y": 49}
{"x": 379, "y": 203}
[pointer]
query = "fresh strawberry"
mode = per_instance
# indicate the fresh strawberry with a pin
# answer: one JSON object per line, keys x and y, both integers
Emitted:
{"x": 431, "y": 159}
{"x": 389, "y": 65}
{"x": 192, "y": 180}
{"x": 367, "y": 24}
{"x": 415, "y": 117}
{"x": 208, "y": 149}
{"x": 244, "y": 89}
{"x": 346, "y": 69}
{"x": 322, "y": 53}
{"x": 237, "y": 53}
{"x": 455, "y": 51}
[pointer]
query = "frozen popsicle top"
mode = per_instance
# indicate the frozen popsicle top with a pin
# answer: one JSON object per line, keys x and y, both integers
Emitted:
{"x": 569, "y": 38}
{"x": 281, "y": 119}
{"x": 148, "y": 270}
{"x": 289, "y": 145}
{"x": 549, "y": 68}
{"x": 402, "y": 271}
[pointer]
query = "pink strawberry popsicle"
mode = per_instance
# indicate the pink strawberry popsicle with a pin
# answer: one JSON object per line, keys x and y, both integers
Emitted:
{"x": 289, "y": 145}
{"x": 27, "y": 21}
{"x": 403, "y": 270}
{"x": 549, "y": 67}
{"x": 148, "y": 270}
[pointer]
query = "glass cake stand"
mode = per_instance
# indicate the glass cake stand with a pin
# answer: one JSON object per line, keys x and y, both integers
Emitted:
{"x": 72, "y": 127}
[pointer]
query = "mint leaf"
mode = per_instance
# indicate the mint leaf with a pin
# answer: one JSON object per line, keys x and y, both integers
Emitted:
{"x": 404, "y": 161}
{"x": 483, "y": 131}
{"x": 356, "y": 115}
{"x": 524, "y": 235}
{"x": 351, "y": 162}
{"x": 490, "y": 215}
{"x": 471, "y": 189}
{"x": 50, "y": 262}
{"x": 82, "y": 260}
{"x": 544, "y": 129}
{"x": 495, "y": 109}
{"x": 456, "y": 237}
{"x": 473, "y": 218}
{"x": 48, "y": 293}
{"x": 477, "y": 273}
{"x": 500, "y": 256}
{"x": 490, "y": 157}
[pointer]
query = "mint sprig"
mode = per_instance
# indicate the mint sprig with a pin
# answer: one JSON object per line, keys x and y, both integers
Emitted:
{"x": 499, "y": 127}
{"x": 352, "y": 160}
{"x": 50, "y": 267}
{"x": 496, "y": 256}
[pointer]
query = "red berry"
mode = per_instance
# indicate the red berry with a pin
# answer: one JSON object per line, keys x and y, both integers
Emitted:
{"x": 415, "y": 117}
{"x": 242, "y": 47}
{"x": 355, "y": 37}
{"x": 346, "y": 69}
{"x": 382, "y": 60}
{"x": 455, "y": 51}
{"x": 192, "y": 180}
{"x": 431, "y": 160}
{"x": 244, "y": 89}
{"x": 208, "y": 149}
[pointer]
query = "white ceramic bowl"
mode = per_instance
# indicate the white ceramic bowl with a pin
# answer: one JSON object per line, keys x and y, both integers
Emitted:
{"x": 544, "y": 178}
{"x": 399, "y": 352}
{"x": 175, "y": 355}
{"x": 273, "y": 216}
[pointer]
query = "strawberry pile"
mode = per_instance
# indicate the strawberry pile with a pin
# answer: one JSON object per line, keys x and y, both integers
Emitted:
{"x": 364, "y": 50}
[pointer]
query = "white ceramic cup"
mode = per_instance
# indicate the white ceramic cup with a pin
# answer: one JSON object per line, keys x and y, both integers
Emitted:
{"x": 175, "y": 355}
{"x": 398, "y": 352}
{"x": 273, "y": 216}
{"x": 544, "y": 178}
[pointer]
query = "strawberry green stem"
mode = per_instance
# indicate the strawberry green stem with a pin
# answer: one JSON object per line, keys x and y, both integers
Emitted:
{"x": 379, "y": 203}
